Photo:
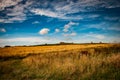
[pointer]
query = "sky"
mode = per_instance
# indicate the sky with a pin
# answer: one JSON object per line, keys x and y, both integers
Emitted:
{"x": 33, "y": 22}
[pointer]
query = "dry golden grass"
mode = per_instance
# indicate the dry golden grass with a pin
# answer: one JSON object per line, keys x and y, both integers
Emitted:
{"x": 63, "y": 62}
{"x": 23, "y": 51}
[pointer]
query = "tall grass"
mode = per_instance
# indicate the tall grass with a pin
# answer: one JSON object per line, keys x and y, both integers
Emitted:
{"x": 100, "y": 63}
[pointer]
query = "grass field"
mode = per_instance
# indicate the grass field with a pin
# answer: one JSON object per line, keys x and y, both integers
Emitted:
{"x": 61, "y": 62}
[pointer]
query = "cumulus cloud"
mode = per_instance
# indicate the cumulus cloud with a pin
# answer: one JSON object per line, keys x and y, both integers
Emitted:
{"x": 57, "y": 30}
{"x": 44, "y": 31}
{"x": 67, "y": 26}
{"x": 2, "y": 30}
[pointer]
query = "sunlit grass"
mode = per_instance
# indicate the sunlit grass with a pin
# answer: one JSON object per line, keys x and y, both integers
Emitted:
{"x": 64, "y": 62}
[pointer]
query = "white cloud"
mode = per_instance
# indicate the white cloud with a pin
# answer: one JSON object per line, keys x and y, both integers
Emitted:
{"x": 97, "y": 36}
{"x": 44, "y": 12}
{"x": 62, "y": 9}
{"x": 57, "y": 30}
{"x": 114, "y": 28}
{"x": 31, "y": 39}
{"x": 13, "y": 19}
{"x": 35, "y": 22}
{"x": 7, "y": 3}
{"x": 44, "y": 31}
{"x": 73, "y": 34}
{"x": 26, "y": 41}
{"x": 92, "y": 16}
{"x": 15, "y": 14}
{"x": 54, "y": 14}
{"x": 67, "y": 26}
{"x": 106, "y": 26}
{"x": 2, "y": 30}
{"x": 69, "y": 34}
{"x": 58, "y": 9}
{"x": 21, "y": 41}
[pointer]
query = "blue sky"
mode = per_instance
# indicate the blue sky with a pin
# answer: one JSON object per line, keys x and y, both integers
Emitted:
{"x": 31, "y": 22}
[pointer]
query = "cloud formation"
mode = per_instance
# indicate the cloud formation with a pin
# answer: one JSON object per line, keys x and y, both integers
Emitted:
{"x": 97, "y": 36}
{"x": 18, "y": 10}
{"x": 44, "y": 31}
{"x": 69, "y": 34}
{"x": 35, "y": 22}
{"x": 32, "y": 40}
{"x": 43, "y": 12}
{"x": 57, "y": 30}
{"x": 62, "y": 18}
{"x": 8, "y": 3}
{"x": 2, "y": 30}
{"x": 62, "y": 9}
{"x": 67, "y": 26}
{"x": 14, "y": 11}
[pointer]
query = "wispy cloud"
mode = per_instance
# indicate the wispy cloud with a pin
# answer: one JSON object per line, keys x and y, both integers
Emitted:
{"x": 105, "y": 26}
{"x": 62, "y": 9}
{"x": 23, "y": 41}
{"x": 44, "y": 12}
{"x": 67, "y": 26}
{"x": 26, "y": 41}
{"x": 73, "y": 34}
{"x": 17, "y": 13}
{"x": 54, "y": 14}
{"x": 35, "y": 22}
{"x": 8, "y": 3}
{"x": 69, "y": 34}
{"x": 111, "y": 18}
{"x": 97, "y": 36}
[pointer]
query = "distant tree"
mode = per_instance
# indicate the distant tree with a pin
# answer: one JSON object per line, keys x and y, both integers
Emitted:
{"x": 46, "y": 44}
{"x": 62, "y": 42}
{"x": 100, "y": 42}
{"x": 91, "y": 42}
{"x": 7, "y": 46}
{"x": 24, "y": 45}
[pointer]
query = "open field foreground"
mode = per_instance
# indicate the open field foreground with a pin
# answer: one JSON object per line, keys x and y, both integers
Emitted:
{"x": 61, "y": 62}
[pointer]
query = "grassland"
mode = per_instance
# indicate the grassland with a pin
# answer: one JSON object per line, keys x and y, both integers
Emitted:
{"x": 61, "y": 62}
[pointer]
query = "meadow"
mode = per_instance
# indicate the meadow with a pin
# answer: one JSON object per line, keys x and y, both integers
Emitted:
{"x": 61, "y": 62}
